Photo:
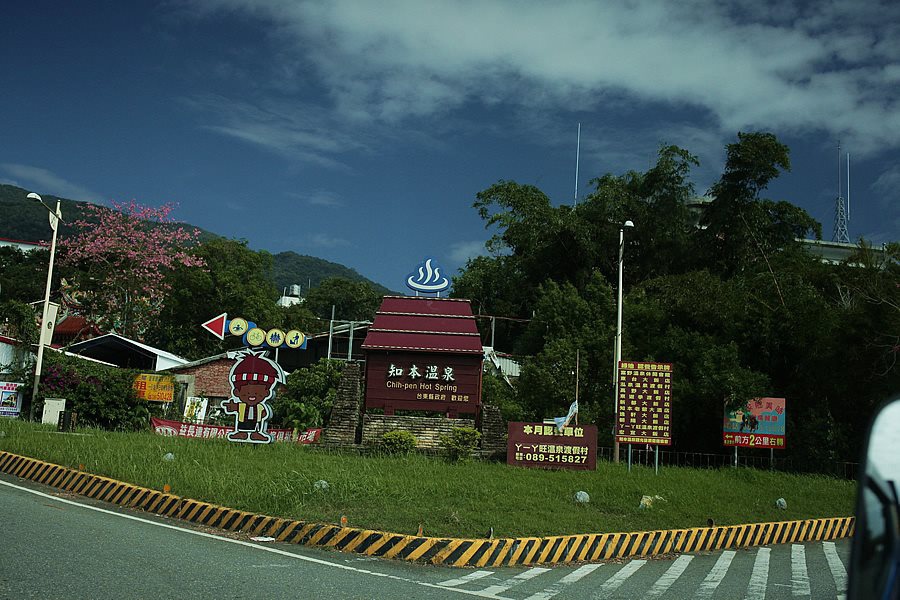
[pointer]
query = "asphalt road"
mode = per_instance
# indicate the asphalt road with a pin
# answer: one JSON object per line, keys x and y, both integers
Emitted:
{"x": 62, "y": 546}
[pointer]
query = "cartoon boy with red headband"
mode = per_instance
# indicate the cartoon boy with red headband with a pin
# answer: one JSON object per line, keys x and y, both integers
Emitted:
{"x": 253, "y": 379}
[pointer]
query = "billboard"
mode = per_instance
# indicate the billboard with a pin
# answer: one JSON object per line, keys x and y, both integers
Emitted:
{"x": 10, "y": 399}
{"x": 544, "y": 446}
{"x": 644, "y": 413}
{"x": 155, "y": 388}
{"x": 758, "y": 424}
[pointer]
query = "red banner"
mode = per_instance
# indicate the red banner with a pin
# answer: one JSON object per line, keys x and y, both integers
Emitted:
{"x": 194, "y": 430}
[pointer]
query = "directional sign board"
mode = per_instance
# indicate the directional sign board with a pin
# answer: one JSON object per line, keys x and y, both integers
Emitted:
{"x": 254, "y": 336}
{"x": 757, "y": 424}
{"x": 216, "y": 326}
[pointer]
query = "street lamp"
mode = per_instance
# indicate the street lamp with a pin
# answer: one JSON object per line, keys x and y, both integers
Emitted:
{"x": 618, "y": 351}
{"x": 46, "y": 328}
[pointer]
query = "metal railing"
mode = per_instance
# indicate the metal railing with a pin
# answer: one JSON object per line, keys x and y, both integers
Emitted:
{"x": 703, "y": 460}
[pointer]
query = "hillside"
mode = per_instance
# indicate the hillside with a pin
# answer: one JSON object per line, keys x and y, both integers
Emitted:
{"x": 291, "y": 268}
{"x": 26, "y": 220}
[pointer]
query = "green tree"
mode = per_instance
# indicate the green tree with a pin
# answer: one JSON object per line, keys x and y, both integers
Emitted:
{"x": 237, "y": 280}
{"x": 741, "y": 229}
{"x": 308, "y": 395}
{"x": 352, "y": 300}
{"x": 23, "y": 275}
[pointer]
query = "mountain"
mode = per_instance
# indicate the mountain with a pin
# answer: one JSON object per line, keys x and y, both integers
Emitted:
{"x": 26, "y": 220}
{"x": 292, "y": 268}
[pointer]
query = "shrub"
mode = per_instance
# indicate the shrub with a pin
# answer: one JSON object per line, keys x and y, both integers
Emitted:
{"x": 398, "y": 442}
{"x": 102, "y": 396}
{"x": 460, "y": 442}
{"x": 308, "y": 395}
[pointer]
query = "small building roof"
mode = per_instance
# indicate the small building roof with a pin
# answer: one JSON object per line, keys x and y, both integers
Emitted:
{"x": 424, "y": 324}
{"x": 124, "y": 352}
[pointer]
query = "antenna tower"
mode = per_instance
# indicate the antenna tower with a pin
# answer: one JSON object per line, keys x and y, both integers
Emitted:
{"x": 840, "y": 209}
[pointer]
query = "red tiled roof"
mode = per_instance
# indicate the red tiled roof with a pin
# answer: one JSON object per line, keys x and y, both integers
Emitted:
{"x": 424, "y": 324}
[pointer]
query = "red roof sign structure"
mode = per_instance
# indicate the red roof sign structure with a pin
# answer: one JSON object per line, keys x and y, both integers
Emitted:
{"x": 424, "y": 324}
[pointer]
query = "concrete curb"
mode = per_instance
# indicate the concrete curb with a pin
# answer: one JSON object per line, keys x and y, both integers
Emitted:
{"x": 501, "y": 552}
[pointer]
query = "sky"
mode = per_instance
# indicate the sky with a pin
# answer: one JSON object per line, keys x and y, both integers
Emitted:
{"x": 361, "y": 131}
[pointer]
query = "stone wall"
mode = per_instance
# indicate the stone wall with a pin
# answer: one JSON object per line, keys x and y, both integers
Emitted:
{"x": 428, "y": 430}
{"x": 343, "y": 425}
{"x": 493, "y": 431}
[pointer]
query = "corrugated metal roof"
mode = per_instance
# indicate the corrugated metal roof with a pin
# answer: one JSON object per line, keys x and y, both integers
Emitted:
{"x": 424, "y": 324}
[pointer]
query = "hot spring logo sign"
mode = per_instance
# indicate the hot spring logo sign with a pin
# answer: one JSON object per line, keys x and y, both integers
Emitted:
{"x": 427, "y": 278}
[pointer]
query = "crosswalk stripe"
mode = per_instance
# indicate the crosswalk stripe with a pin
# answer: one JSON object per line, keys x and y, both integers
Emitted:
{"x": 613, "y": 583}
{"x": 838, "y": 571}
{"x": 670, "y": 576}
{"x": 465, "y": 579}
{"x": 715, "y": 576}
{"x": 799, "y": 574}
{"x": 521, "y": 577}
{"x": 562, "y": 583}
{"x": 760, "y": 576}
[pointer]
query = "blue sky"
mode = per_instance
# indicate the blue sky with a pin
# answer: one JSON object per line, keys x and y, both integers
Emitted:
{"x": 360, "y": 131}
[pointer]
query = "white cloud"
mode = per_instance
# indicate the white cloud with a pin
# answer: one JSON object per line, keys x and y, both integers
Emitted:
{"x": 824, "y": 66}
{"x": 323, "y": 198}
{"x": 46, "y": 182}
{"x": 887, "y": 187}
{"x": 299, "y": 133}
{"x": 460, "y": 252}
{"x": 323, "y": 240}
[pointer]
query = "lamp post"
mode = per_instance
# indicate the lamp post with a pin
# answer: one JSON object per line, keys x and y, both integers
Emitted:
{"x": 618, "y": 350}
{"x": 55, "y": 218}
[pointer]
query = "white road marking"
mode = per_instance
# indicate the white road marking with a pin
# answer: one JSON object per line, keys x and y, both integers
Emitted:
{"x": 799, "y": 574}
{"x": 838, "y": 571}
{"x": 759, "y": 578}
{"x": 715, "y": 576}
{"x": 663, "y": 584}
{"x": 465, "y": 579}
{"x": 203, "y": 534}
{"x": 562, "y": 583}
{"x": 512, "y": 581}
{"x": 614, "y": 582}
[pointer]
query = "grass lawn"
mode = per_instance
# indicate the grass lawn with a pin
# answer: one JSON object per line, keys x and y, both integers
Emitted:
{"x": 449, "y": 500}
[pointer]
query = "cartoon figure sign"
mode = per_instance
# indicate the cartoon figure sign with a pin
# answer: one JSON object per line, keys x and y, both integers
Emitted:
{"x": 253, "y": 379}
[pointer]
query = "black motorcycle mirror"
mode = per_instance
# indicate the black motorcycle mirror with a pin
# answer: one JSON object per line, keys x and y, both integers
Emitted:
{"x": 875, "y": 551}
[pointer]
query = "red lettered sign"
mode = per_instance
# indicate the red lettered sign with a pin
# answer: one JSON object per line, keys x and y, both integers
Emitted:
{"x": 540, "y": 445}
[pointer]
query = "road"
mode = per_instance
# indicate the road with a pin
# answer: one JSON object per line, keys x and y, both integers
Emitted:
{"x": 60, "y": 546}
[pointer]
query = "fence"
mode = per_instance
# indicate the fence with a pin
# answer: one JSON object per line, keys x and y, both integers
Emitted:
{"x": 646, "y": 457}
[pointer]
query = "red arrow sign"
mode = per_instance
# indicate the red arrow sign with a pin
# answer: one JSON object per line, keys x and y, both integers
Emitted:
{"x": 216, "y": 326}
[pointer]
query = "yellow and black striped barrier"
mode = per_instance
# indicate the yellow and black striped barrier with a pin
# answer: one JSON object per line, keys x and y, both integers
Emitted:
{"x": 590, "y": 547}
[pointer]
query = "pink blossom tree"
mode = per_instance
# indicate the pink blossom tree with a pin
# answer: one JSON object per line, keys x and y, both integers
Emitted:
{"x": 123, "y": 256}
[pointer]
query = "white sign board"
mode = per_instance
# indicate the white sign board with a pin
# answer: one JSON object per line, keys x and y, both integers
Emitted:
{"x": 52, "y": 408}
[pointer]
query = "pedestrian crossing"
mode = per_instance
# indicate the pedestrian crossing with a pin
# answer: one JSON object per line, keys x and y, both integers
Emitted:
{"x": 753, "y": 574}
